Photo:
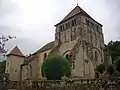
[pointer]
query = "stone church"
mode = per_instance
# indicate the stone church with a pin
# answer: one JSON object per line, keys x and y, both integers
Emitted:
{"x": 78, "y": 37}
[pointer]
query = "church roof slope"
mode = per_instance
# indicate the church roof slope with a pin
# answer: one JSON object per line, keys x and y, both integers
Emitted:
{"x": 33, "y": 56}
{"x": 46, "y": 47}
{"x": 16, "y": 51}
{"x": 74, "y": 12}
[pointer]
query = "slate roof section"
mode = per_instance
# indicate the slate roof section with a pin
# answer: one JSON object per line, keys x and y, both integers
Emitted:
{"x": 77, "y": 10}
{"x": 46, "y": 47}
{"x": 16, "y": 52}
{"x": 34, "y": 57}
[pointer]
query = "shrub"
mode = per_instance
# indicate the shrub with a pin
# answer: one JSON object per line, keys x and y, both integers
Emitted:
{"x": 55, "y": 67}
{"x": 101, "y": 68}
{"x": 116, "y": 74}
{"x": 111, "y": 69}
{"x": 117, "y": 64}
{"x": 2, "y": 66}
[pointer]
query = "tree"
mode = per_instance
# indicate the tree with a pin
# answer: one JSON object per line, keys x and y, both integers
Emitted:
{"x": 111, "y": 69}
{"x": 2, "y": 66}
{"x": 101, "y": 68}
{"x": 3, "y": 41}
{"x": 116, "y": 74}
{"x": 113, "y": 48}
{"x": 117, "y": 64}
{"x": 55, "y": 67}
{"x": 3, "y": 51}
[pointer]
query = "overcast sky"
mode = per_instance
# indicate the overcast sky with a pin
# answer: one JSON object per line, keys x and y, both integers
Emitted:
{"x": 32, "y": 21}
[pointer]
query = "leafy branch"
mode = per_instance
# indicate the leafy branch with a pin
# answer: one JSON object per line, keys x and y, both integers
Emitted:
{"x": 3, "y": 41}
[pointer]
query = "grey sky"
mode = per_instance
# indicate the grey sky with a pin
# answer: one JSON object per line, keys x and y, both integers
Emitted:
{"x": 32, "y": 21}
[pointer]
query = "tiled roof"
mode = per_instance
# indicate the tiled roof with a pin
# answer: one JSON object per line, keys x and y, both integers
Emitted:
{"x": 46, "y": 47}
{"x": 34, "y": 57}
{"x": 16, "y": 51}
{"x": 55, "y": 50}
{"x": 74, "y": 12}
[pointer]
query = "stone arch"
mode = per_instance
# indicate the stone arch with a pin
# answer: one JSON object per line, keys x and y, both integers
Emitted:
{"x": 66, "y": 52}
{"x": 94, "y": 48}
{"x": 92, "y": 63}
{"x": 68, "y": 56}
{"x": 96, "y": 55}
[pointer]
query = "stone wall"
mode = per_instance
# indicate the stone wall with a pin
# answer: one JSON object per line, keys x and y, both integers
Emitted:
{"x": 40, "y": 61}
{"x": 13, "y": 64}
{"x": 81, "y": 84}
{"x": 89, "y": 32}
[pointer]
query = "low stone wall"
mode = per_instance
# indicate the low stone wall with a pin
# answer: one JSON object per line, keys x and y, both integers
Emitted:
{"x": 81, "y": 84}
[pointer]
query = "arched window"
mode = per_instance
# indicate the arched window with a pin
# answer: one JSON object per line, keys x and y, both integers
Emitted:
{"x": 70, "y": 57}
{"x": 68, "y": 24}
{"x": 73, "y": 34}
{"x": 75, "y": 22}
{"x": 67, "y": 56}
{"x": 72, "y": 23}
{"x": 26, "y": 73}
{"x": 45, "y": 55}
{"x": 60, "y": 28}
{"x": 63, "y": 28}
{"x": 96, "y": 57}
{"x": 30, "y": 70}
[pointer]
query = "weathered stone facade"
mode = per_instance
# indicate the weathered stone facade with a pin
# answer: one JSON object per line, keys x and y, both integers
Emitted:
{"x": 79, "y": 38}
{"x": 82, "y": 36}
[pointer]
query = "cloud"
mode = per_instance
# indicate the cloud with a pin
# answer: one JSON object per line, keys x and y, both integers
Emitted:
{"x": 25, "y": 44}
{"x": 7, "y": 7}
{"x": 30, "y": 30}
{"x": 114, "y": 17}
{"x": 32, "y": 21}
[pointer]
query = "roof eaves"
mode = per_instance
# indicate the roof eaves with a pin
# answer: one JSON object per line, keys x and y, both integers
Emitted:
{"x": 16, "y": 55}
